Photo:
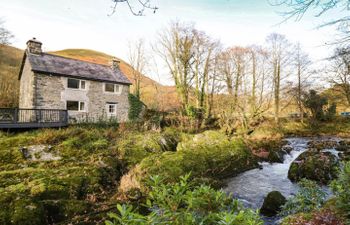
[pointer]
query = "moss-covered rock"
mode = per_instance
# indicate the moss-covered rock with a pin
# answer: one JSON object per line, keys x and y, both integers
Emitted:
{"x": 322, "y": 144}
{"x": 344, "y": 150}
{"x": 207, "y": 155}
{"x": 273, "y": 203}
{"x": 138, "y": 146}
{"x": 270, "y": 150}
{"x": 314, "y": 165}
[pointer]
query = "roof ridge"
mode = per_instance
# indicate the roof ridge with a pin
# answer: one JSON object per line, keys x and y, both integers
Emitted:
{"x": 65, "y": 57}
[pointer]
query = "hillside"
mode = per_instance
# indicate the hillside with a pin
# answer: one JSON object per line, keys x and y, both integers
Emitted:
{"x": 153, "y": 94}
{"x": 10, "y": 60}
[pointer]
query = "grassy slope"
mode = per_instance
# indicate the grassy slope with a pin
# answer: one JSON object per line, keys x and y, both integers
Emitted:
{"x": 153, "y": 93}
{"x": 10, "y": 60}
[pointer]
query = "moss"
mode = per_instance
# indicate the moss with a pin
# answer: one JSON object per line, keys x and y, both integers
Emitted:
{"x": 318, "y": 166}
{"x": 137, "y": 146}
{"x": 27, "y": 212}
{"x": 207, "y": 155}
{"x": 60, "y": 210}
{"x": 273, "y": 203}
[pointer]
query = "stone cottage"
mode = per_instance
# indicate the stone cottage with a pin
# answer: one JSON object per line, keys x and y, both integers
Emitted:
{"x": 89, "y": 91}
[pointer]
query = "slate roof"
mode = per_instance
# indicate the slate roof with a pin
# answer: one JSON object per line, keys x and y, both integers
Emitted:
{"x": 62, "y": 66}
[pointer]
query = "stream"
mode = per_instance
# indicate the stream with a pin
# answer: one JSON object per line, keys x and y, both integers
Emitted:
{"x": 252, "y": 186}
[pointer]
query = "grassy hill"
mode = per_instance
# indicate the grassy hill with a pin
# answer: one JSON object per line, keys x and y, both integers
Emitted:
{"x": 10, "y": 60}
{"x": 153, "y": 94}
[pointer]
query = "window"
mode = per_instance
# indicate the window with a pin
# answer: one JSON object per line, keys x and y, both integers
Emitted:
{"x": 111, "y": 109}
{"x": 82, "y": 84}
{"x": 113, "y": 88}
{"x": 109, "y": 88}
{"x": 76, "y": 84}
{"x": 82, "y": 106}
{"x": 75, "y": 106}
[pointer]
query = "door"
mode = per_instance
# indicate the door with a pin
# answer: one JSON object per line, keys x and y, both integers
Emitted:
{"x": 111, "y": 109}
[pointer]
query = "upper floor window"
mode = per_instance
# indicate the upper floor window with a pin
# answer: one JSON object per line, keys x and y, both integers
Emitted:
{"x": 76, "y": 84}
{"x": 112, "y": 88}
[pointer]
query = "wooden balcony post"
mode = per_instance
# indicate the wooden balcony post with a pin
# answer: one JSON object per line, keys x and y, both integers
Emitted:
{"x": 15, "y": 115}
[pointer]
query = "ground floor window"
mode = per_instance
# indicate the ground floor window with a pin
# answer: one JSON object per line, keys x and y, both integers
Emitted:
{"x": 111, "y": 109}
{"x": 75, "y": 106}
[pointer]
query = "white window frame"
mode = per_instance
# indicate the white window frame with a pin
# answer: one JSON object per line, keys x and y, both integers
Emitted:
{"x": 115, "y": 89}
{"x": 80, "y": 82}
{"x": 109, "y": 114}
{"x": 79, "y": 106}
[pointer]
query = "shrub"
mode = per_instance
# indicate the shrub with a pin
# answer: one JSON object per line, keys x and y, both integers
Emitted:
{"x": 136, "y": 107}
{"x": 323, "y": 217}
{"x": 310, "y": 197}
{"x": 182, "y": 203}
{"x": 341, "y": 188}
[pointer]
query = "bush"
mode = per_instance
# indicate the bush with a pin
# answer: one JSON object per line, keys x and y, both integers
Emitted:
{"x": 310, "y": 197}
{"x": 341, "y": 188}
{"x": 181, "y": 203}
{"x": 136, "y": 107}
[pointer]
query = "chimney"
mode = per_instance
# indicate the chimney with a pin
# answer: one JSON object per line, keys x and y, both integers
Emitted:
{"x": 34, "y": 46}
{"x": 115, "y": 63}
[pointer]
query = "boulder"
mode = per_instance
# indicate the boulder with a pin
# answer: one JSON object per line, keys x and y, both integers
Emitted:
{"x": 272, "y": 151}
{"x": 314, "y": 165}
{"x": 273, "y": 203}
{"x": 344, "y": 150}
{"x": 322, "y": 144}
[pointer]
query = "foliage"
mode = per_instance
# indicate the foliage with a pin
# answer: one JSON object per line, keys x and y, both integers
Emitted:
{"x": 316, "y": 104}
{"x": 136, "y": 107}
{"x": 181, "y": 203}
{"x": 341, "y": 188}
{"x": 322, "y": 217}
{"x": 310, "y": 197}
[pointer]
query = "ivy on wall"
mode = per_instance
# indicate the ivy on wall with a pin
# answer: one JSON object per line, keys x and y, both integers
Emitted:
{"x": 136, "y": 107}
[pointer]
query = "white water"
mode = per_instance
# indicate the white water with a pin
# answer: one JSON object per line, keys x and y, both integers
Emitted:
{"x": 251, "y": 187}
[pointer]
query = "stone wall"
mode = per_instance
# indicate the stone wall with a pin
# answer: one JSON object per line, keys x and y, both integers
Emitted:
{"x": 26, "y": 92}
{"x": 48, "y": 90}
{"x": 52, "y": 93}
{"x": 99, "y": 98}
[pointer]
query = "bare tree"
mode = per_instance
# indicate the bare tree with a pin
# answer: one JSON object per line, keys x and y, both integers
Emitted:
{"x": 5, "y": 35}
{"x": 142, "y": 5}
{"x": 298, "y": 8}
{"x": 175, "y": 46}
{"x": 278, "y": 47}
{"x": 138, "y": 61}
{"x": 301, "y": 63}
{"x": 340, "y": 70}
{"x": 232, "y": 63}
{"x": 202, "y": 68}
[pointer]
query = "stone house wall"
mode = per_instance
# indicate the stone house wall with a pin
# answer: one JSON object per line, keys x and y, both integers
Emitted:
{"x": 51, "y": 92}
{"x": 27, "y": 86}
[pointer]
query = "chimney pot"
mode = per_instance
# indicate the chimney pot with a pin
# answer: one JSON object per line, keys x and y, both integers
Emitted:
{"x": 34, "y": 46}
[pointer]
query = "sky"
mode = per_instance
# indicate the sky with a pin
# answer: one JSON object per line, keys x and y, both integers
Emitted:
{"x": 63, "y": 24}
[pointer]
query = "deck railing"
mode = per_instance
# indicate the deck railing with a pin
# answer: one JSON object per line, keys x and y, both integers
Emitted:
{"x": 17, "y": 118}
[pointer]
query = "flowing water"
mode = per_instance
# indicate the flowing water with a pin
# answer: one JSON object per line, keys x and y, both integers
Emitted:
{"x": 251, "y": 187}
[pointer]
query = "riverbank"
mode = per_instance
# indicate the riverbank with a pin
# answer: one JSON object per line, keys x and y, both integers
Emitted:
{"x": 77, "y": 175}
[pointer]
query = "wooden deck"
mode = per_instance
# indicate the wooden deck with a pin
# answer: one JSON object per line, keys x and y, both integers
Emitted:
{"x": 14, "y": 118}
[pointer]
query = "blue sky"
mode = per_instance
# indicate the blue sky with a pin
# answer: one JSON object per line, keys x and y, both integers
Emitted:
{"x": 65, "y": 24}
